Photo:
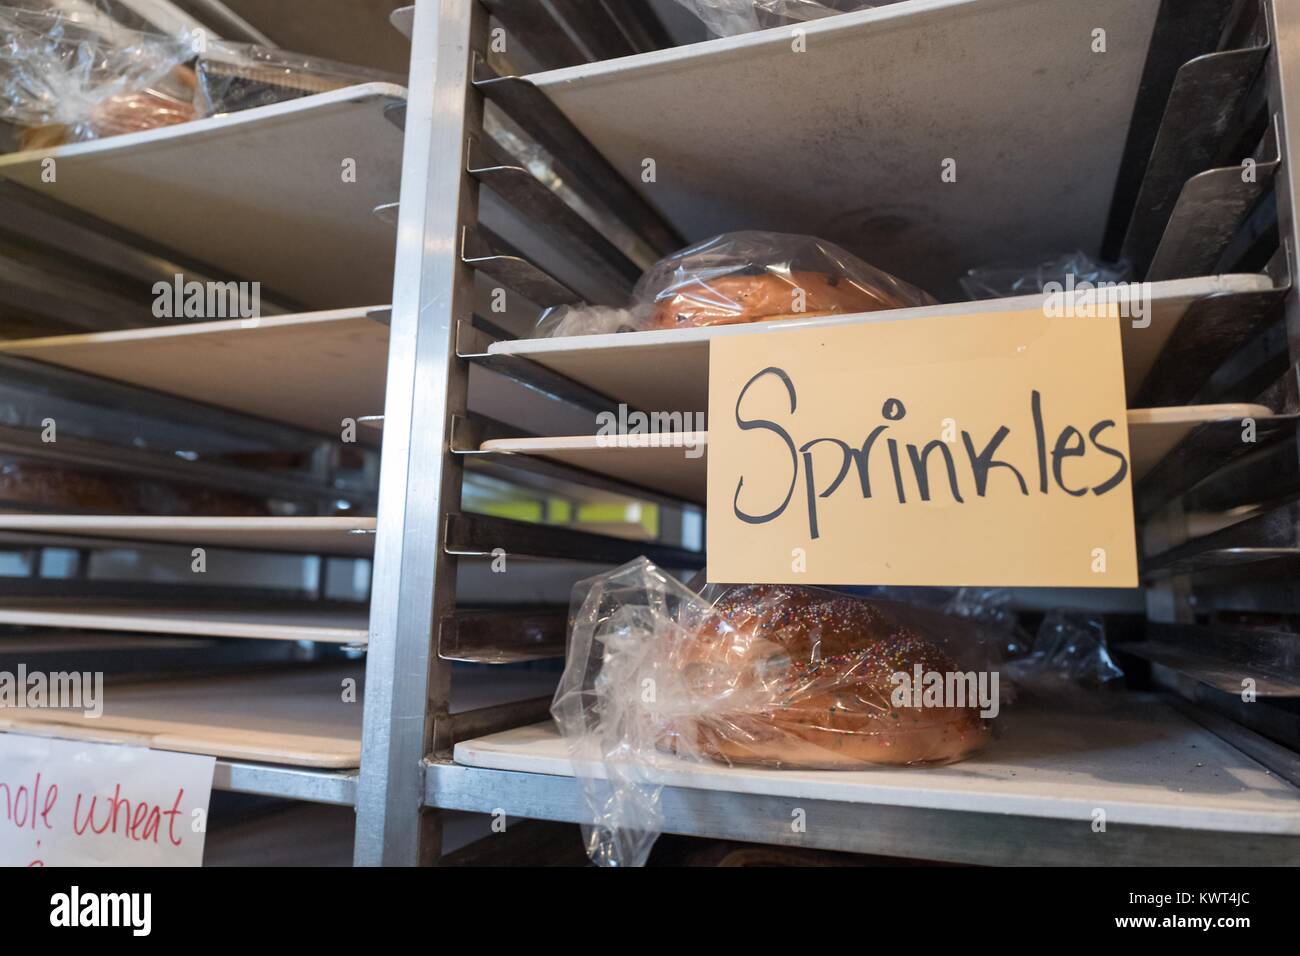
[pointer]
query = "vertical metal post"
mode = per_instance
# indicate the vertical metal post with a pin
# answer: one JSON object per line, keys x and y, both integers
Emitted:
{"x": 1284, "y": 92}
{"x": 419, "y": 482}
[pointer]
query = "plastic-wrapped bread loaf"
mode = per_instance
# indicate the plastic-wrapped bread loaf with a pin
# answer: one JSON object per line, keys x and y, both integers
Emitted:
{"x": 773, "y": 676}
{"x": 67, "y": 77}
{"x": 813, "y": 674}
{"x": 743, "y": 277}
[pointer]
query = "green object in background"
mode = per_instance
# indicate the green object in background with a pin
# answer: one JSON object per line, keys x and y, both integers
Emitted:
{"x": 516, "y": 510}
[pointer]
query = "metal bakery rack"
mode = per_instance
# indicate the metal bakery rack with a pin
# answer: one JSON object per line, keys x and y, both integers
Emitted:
{"x": 1140, "y": 156}
{"x": 249, "y": 660}
{"x": 527, "y": 127}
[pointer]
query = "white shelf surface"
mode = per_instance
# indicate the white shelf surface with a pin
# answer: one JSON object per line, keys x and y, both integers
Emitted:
{"x": 748, "y": 133}
{"x": 660, "y": 467}
{"x": 328, "y": 625}
{"x": 290, "y": 716}
{"x": 1143, "y": 762}
{"x": 258, "y": 194}
{"x": 669, "y": 369}
{"x": 293, "y": 716}
{"x": 311, "y": 370}
{"x": 343, "y": 536}
{"x": 663, "y": 463}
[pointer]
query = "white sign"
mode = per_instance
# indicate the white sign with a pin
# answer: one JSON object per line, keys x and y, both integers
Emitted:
{"x": 69, "y": 803}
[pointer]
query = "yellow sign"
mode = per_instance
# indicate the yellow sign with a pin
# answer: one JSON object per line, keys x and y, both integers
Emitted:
{"x": 975, "y": 450}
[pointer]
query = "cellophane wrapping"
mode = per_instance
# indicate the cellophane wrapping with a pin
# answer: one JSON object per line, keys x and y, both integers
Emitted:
{"x": 1068, "y": 653}
{"x": 726, "y": 18}
{"x": 240, "y": 76}
{"x": 1012, "y": 279}
{"x": 774, "y": 676}
{"x": 740, "y": 277}
{"x": 70, "y": 77}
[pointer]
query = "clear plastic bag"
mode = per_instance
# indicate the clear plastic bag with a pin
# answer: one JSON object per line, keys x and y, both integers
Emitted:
{"x": 774, "y": 676}
{"x": 67, "y": 79}
{"x": 240, "y": 76}
{"x": 740, "y": 277}
{"x": 1068, "y": 652}
{"x": 1072, "y": 268}
{"x": 727, "y": 18}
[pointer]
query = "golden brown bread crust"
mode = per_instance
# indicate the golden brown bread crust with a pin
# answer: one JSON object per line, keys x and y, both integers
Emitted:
{"x": 812, "y": 673}
{"x": 735, "y": 299}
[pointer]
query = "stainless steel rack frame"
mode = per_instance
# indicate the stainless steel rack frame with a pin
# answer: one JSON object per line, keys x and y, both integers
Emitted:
{"x": 407, "y": 776}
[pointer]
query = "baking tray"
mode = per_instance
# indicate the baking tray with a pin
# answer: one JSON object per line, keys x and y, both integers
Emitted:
{"x": 257, "y": 194}
{"x": 747, "y": 132}
{"x": 311, "y": 369}
{"x": 662, "y": 462}
{"x": 670, "y": 369}
{"x": 341, "y": 536}
{"x": 1142, "y": 761}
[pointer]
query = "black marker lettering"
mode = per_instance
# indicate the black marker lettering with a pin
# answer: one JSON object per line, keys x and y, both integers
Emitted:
{"x": 898, "y": 473}
{"x": 1074, "y": 449}
{"x": 747, "y": 424}
{"x": 920, "y": 465}
{"x": 863, "y": 460}
{"x": 1036, "y": 403}
{"x": 1116, "y": 478}
{"x": 982, "y": 463}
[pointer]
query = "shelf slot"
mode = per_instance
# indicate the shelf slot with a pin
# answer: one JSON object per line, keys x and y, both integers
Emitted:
{"x": 533, "y": 26}
{"x": 493, "y": 256}
{"x": 1256, "y": 371}
{"x": 503, "y": 636}
{"x": 480, "y": 536}
{"x": 1216, "y": 449}
{"x": 1265, "y": 537}
{"x": 1205, "y": 102}
{"x": 495, "y": 168}
{"x": 1211, "y": 330}
{"x": 470, "y": 433}
{"x": 1222, "y": 656}
{"x": 1269, "y": 472}
{"x": 1210, "y": 210}
{"x": 83, "y": 454}
{"x": 545, "y": 475}
{"x": 533, "y": 110}
{"x": 489, "y": 720}
{"x": 473, "y": 344}
{"x": 568, "y": 32}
